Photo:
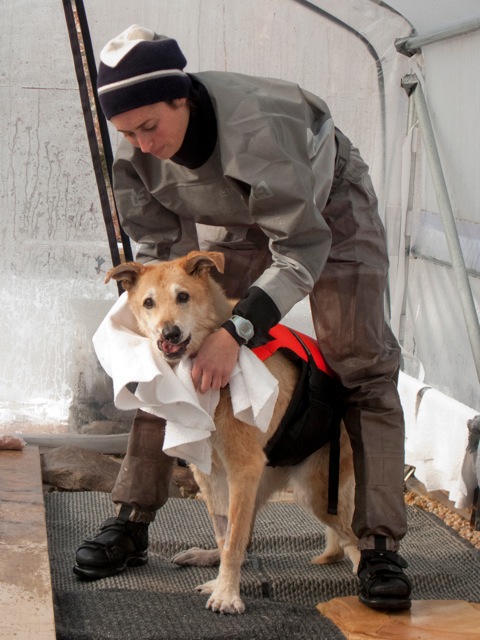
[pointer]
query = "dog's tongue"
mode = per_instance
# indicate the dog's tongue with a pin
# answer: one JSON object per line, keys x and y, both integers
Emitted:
{"x": 168, "y": 347}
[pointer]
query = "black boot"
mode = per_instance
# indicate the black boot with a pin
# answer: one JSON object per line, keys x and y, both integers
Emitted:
{"x": 118, "y": 545}
{"x": 383, "y": 585}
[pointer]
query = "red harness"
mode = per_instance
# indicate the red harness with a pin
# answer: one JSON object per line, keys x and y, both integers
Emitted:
{"x": 284, "y": 338}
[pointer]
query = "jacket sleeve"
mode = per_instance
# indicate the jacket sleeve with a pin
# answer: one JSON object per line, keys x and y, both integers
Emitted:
{"x": 159, "y": 233}
{"x": 290, "y": 171}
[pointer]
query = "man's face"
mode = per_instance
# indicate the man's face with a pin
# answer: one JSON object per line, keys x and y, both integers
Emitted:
{"x": 158, "y": 129}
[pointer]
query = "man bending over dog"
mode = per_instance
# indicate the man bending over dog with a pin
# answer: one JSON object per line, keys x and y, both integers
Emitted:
{"x": 255, "y": 168}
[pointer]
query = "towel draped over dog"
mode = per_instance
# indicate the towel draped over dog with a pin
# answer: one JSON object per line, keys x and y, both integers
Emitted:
{"x": 131, "y": 359}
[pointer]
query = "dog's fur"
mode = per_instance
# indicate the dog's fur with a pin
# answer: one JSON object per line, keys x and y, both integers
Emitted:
{"x": 177, "y": 304}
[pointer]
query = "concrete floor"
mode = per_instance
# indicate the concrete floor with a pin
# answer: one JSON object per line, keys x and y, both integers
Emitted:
{"x": 26, "y": 605}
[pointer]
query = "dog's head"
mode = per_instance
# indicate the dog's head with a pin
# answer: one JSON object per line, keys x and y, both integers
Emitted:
{"x": 176, "y": 303}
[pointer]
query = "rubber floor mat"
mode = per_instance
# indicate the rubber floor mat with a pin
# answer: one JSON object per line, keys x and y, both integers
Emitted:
{"x": 280, "y": 586}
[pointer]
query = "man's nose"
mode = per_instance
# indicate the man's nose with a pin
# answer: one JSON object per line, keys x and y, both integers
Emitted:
{"x": 145, "y": 142}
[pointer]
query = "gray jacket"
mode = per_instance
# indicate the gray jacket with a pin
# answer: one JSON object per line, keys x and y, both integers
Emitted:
{"x": 273, "y": 166}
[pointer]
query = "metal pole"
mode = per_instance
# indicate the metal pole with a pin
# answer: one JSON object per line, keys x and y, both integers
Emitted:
{"x": 414, "y": 89}
{"x": 413, "y": 44}
{"x": 86, "y": 76}
{"x": 408, "y": 219}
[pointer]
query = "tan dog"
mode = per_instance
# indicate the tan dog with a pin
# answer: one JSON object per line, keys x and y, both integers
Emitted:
{"x": 177, "y": 304}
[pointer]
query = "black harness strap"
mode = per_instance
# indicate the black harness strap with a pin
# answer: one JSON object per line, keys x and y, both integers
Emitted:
{"x": 96, "y": 150}
{"x": 334, "y": 469}
{"x": 334, "y": 455}
{"x": 311, "y": 420}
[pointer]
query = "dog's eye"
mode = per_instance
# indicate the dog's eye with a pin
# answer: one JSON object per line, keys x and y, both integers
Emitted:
{"x": 148, "y": 303}
{"x": 183, "y": 296}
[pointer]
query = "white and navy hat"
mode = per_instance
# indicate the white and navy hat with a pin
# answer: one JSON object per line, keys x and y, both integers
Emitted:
{"x": 140, "y": 67}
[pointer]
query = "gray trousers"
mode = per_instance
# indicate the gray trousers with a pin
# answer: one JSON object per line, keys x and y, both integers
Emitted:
{"x": 348, "y": 315}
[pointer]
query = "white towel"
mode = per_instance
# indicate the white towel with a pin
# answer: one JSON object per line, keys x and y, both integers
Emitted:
{"x": 410, "y": 391}
{"x": 437, "y": 436}
{"x": 169, "y": 393}
{"x": 442, "y": 443}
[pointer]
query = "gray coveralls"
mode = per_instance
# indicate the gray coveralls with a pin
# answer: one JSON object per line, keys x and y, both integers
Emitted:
{"x": 290, "y": 203}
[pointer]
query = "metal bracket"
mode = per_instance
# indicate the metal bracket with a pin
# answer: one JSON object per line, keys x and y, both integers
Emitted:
{"x": 402, "y": 45}
{"x": 409, "y": 83}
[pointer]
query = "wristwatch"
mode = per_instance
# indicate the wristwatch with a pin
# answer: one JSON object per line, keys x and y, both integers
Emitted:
{"x": 243, "y": 328}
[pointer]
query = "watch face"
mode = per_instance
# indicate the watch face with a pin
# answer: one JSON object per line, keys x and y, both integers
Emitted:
{"x": 243, "y": 327}
{"x": 245, "y": 330}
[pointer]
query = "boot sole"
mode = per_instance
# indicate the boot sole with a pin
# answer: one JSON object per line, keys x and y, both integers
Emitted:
{"x": 386, "y": 604}
{"x": 96, "y": 573}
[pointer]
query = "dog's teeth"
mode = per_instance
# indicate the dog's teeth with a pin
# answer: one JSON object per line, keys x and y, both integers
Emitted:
{"x": 168, "y": 347}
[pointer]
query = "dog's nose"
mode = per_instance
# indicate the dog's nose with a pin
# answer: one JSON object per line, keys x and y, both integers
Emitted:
{"x": 172, "y": 334}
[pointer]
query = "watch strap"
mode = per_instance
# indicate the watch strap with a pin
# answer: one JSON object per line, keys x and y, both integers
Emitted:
{"x": 230, "y": 327}
{"x": 262, "y": 312}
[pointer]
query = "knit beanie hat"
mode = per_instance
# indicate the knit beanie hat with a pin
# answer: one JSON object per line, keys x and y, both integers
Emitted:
{"x": 140, "y": 67}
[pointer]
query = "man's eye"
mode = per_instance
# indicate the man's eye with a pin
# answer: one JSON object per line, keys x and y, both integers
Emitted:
{"x": 148, "y": 303}
{"x": 183, "y": 296}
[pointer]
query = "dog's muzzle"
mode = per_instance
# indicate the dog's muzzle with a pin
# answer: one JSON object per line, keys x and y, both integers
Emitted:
{"x": 169, "y": 344}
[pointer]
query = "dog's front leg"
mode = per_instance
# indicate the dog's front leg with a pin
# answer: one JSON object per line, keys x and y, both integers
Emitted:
{"x": 243, "y": 482}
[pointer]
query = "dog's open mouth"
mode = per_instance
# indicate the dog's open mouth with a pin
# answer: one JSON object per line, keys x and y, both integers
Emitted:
{"x": 173, "y": 351}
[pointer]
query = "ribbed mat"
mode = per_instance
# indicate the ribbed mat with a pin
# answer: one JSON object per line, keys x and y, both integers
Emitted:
{"x": 279, "y": 585}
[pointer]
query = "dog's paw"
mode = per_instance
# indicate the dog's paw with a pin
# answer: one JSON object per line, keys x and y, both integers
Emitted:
{"x": 197, "y": 557}
{"x": 207, "y": 588}
{"x": 225, "y": 603}
{"x": 328, "y": 558}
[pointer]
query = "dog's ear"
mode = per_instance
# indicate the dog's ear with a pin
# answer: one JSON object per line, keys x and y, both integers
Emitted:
{"x": 198, "y": 261}
{"x": 127, "y": 273}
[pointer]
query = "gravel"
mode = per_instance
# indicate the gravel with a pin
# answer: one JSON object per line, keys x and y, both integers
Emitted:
{"x": 449, "y": 517}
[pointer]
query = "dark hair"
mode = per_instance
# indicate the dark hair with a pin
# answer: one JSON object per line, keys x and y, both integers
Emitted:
{"x": 193, "y": 100}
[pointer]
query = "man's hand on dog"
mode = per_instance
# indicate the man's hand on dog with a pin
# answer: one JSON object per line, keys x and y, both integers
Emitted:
{"x": 214, "y": 362}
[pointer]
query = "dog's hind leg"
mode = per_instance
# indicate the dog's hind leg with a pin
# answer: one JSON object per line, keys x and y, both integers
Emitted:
{"x": 310, "y": 481}
{"x": 214, "y": 491}
{"x": 197, "y": 557}
{"x": 333, "y": 551}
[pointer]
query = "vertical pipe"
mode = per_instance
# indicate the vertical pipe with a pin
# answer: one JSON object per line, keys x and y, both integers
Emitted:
{"x": 408, "y": 218}
{"x": 86, "y": 77}
{"x": 415, "y": 90}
